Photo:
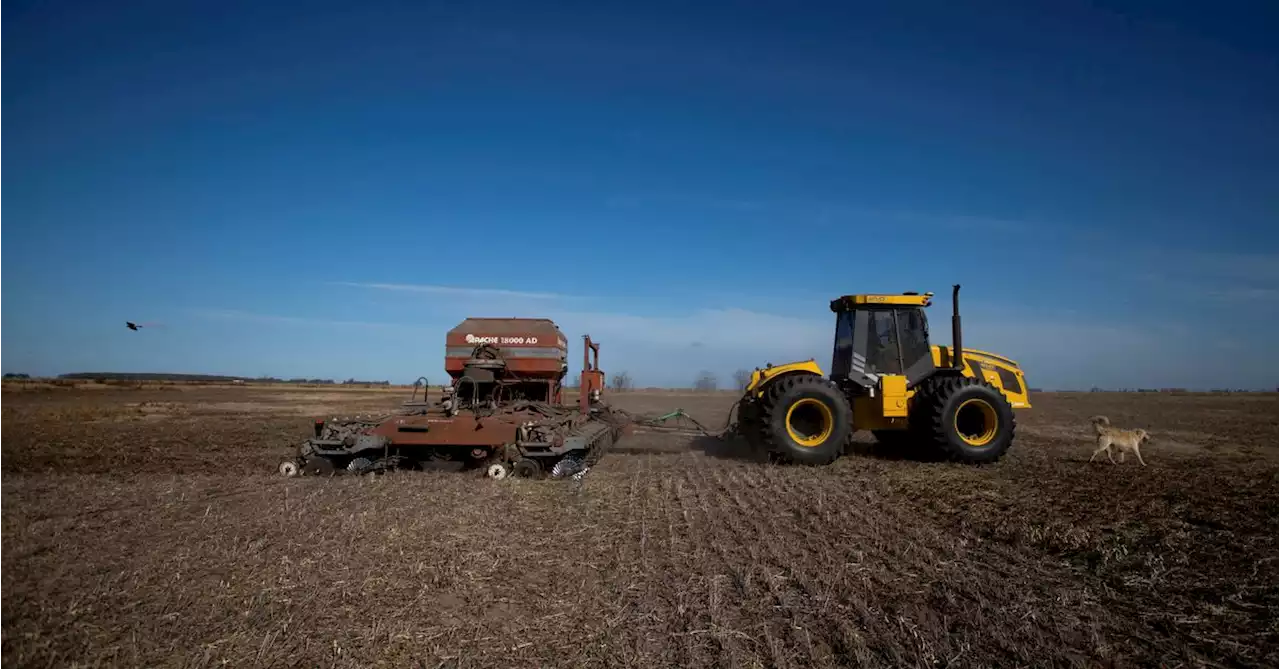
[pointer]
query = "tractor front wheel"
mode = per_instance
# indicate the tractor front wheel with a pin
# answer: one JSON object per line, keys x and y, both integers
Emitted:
{"x": 806, "y": 419}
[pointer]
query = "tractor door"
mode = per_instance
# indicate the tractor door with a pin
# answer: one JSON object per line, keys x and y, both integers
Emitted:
{"x": 883, "y": 356}
{"x": 866, "y": 346}
{"x": 913, "y": 337}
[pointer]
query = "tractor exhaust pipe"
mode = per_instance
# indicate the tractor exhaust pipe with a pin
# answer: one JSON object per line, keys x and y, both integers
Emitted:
{"x": 957, "y": 358}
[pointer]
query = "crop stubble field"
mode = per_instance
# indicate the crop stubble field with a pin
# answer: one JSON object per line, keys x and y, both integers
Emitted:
{"x": 148, "y": 528}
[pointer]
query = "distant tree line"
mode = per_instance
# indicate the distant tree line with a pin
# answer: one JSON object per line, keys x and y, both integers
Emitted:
{"x": 199, "y": 378}
{"x": 1096, "y": 389}
{"x": 150, "y": 376}
{"x": 1173, "y": 391}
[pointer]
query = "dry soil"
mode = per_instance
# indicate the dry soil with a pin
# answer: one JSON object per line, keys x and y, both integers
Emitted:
{"x": 148, "y": 528}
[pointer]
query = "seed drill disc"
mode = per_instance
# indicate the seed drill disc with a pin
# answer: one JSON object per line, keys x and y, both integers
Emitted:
{"x": 527, "y": 469}
{"x": 317, "y": 466}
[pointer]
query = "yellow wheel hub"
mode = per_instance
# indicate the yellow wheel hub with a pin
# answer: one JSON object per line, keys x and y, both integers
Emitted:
{"x": 976, "y": 422}
{"x": 809, "y": 422}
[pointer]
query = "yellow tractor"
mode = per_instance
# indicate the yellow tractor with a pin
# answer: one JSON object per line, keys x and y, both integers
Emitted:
{"x": 888, "y": 378}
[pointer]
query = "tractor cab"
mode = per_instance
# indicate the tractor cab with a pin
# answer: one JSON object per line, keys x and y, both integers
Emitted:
{"x": 877, "y": 335}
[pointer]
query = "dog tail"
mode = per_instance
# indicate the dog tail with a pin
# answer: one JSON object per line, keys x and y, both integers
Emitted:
{"x": 1099, "y": 422}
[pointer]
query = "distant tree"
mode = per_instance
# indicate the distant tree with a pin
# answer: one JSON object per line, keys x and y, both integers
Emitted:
{"x": 705, "y": 381}
{"x": 17, "y": 376}
{"x": 620, "y": 381}
{"x": 741, "y": 378}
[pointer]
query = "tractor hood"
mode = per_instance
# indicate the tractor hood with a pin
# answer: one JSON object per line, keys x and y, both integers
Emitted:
{"x": 1000, "y": 371}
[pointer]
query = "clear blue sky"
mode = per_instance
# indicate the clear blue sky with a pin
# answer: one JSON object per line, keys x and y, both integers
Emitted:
{"x": 323, "y": 189}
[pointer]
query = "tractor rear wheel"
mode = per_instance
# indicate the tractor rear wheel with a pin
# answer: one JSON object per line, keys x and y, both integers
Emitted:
{"x": 806, "y": 419}
{"x": 967, "y": 419}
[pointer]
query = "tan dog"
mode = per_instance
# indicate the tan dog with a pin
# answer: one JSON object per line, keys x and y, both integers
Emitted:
{"x": 1121, "y": 440}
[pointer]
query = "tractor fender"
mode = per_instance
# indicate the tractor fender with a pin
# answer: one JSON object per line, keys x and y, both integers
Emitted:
{"x": 760, "y": 378}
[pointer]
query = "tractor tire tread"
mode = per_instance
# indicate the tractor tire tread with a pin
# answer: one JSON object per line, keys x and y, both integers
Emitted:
{"x": 842, "y": 414}
{"x": 930, "y": 419}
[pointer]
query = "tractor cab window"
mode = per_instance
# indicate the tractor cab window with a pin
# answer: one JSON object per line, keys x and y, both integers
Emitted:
{"x": 914, "y": 332}
{"x": 842, "y": 356}
{"x": 873, "y": 341}
{"x": 882, "y": 343}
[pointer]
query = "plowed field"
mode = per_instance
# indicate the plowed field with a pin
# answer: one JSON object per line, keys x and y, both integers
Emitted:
{"x": 148, "y": 528}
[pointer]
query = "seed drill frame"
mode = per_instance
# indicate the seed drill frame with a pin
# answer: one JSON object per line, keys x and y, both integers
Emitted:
{"x": 502, "y": 411}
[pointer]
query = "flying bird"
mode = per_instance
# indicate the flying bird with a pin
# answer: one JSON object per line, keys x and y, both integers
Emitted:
{"x": 131, "y": 326}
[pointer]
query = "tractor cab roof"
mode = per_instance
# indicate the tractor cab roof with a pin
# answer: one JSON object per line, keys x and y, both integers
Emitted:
{"x": 908, "y": 299}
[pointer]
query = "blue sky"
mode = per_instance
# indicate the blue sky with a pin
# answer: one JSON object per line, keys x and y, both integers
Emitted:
{"x": 325, "y": 193}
